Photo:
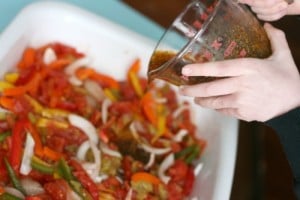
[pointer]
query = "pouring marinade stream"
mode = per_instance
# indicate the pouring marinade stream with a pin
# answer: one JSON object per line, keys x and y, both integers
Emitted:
{"x": 68, "y": 131}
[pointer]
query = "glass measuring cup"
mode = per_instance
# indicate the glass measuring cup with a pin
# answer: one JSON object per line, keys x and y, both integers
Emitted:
{"x": 207, "y": 30}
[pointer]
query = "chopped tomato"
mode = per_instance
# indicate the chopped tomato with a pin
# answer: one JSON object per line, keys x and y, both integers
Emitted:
{"x": 57, "y": 189}
{"x": 84, "y": 179}
{"x": 133, "y": 133}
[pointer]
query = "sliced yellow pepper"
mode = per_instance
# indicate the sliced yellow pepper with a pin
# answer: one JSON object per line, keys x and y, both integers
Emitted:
{"x": 35, "y": 104}
{"x": 52, "y": 113}
{"x": 136, "y": 84}
{"x": 44, "y": 122}
{"x": 11, "y": 77}
{"x": 5, "y": 85}
{"x": 109, "y": 94}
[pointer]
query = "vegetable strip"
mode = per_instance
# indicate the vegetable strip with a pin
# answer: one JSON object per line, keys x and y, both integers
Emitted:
{"x": 80, "y": 133}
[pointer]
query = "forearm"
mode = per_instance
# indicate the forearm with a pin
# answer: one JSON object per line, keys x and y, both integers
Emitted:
{"x": 287, "y": 127}
{"x": 294, "y": 8}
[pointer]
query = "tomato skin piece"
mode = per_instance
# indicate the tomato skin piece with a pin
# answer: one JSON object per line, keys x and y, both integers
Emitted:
{"x": 57, "y": 143}
{"x": 84, "y": 179}
{"x": 182, "y": 179}
{"x": 189, "y": 182}
{"x": 118, "y": 189}
{"x": 126, "y": 165}
{"x": 57, "y": 189}
{"x": 178, "y": 171}
{"x": 62, "y": 50}
{"x": 4, "y": 126}
{"x": 174, "y": 191}
{"x": 121, "y": 108}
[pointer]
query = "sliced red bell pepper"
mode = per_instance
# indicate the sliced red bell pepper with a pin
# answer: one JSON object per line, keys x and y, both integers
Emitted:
{"x": 84, "y": 179}
{"x": 28, "y": 58}
{"x": 18, "y": 138}
{"x": 38, "y": 147}
{"x": 189, "y": 181}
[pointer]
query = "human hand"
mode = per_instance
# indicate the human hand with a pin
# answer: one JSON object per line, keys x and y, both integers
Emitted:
{"x": 254, "y": 89}
{"x": 268, "y": 10}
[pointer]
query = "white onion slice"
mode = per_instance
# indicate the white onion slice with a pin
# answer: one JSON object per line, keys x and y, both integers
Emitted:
{"x": 71, "y": 195}
{"x": 105, "y": 149}
{"x": 93, "y": 169}
{"x": 94, "y": 89}
{"x": 27, "y": 155}
{"x": 105, "y": 105}
{"x": 84, "y": 125}
{"x": 180, "y": 135}
{"x": 198, "y": 169}
{"x": 160, "y": 100}
{"x": 82, "y": 150}
{"x": 166, "y": 163}
{"x": 49, "y": 56}
{"x": 71, "y": 69}
{"x": 75, "y": 81}
{"x": 134, "y": 133}
{"x": 14, "y": 191}
{"x": 32, "y": 187}
{"x": 100, "y": 178}
{"x": 3, "y": 110}
{"x": 156, "y": 151}
{"x": 179, "y": 110}
{"x": 96, "y": 154}
{"x": 129, "y": 194}
{"x": 150, "y": 162}
{"x": 91, "y": 132}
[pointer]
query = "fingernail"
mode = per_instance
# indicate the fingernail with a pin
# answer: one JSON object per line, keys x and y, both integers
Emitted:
{"x": 186, "y": 71}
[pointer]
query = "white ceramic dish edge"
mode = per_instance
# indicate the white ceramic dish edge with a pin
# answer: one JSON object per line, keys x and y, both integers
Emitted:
{"x": 111, "y": 46}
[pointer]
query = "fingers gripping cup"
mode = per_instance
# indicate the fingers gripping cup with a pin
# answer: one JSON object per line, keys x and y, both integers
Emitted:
{"x": 207, "y": 30}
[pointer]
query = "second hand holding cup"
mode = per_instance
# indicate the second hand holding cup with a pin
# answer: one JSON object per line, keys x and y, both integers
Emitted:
{"x": 207, "y": 30}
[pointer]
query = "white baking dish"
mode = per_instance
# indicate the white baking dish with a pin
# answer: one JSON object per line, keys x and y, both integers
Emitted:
{"x": 111, "y": 48}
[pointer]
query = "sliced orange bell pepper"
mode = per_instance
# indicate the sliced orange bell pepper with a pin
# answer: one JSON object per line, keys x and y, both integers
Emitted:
{"x": 38, "y": 147}
{"x": 133, "y": 78}
{"x": 15, "y": 91}
{"x": 7, "y": 102}
{"x": 149, "y": 107}
{"x": 51, "y": 154}
{"x": 59, "y": 64}
{"x": 31, "y": 87}
{"x": 28, "y": 58}
{"x": 84, "y": 72}
{"x": 135, "y": 66}
{"x": 105, "y": 79}
{"x": 146, "y": 177}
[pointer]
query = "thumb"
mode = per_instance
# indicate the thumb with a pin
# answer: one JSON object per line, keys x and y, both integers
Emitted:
{"x": 277, "y": 38}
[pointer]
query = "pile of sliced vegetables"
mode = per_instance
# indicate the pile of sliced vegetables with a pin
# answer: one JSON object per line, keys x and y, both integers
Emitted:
{"x": 68, "y": 131}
